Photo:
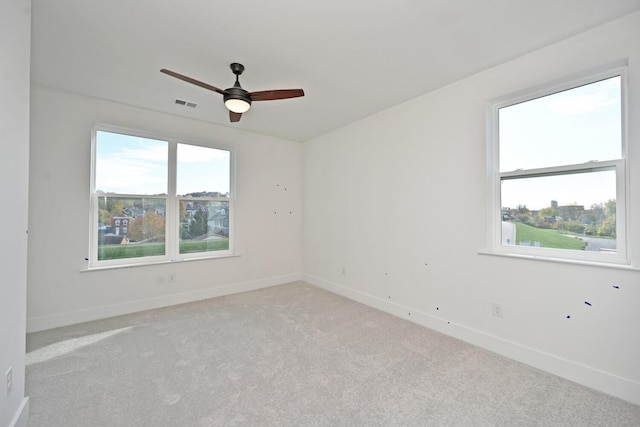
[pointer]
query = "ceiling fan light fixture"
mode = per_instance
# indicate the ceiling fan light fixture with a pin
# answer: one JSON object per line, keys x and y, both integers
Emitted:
{"x": 237, "y": 105}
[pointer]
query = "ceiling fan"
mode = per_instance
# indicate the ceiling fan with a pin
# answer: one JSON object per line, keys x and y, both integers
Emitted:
{"x": 236, "y": 99}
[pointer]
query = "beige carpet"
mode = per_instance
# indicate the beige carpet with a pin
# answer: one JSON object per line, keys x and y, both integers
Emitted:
{"x": 291, "y": 355}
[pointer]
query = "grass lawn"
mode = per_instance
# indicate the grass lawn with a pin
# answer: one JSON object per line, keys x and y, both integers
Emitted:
{"x": 204, "y": 246}
{"x": 154, "y": 249}
{"x": 547, "y": 238}
{"x": 130, "y": 251}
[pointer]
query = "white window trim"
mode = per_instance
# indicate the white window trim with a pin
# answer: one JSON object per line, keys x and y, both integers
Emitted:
{"x": 494, "y": 176}
{"x": 172, "y": 205}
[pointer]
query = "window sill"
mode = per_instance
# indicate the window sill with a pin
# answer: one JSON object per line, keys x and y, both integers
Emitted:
{"x": 164, "y": 262}
{"x": 560, "y": 260}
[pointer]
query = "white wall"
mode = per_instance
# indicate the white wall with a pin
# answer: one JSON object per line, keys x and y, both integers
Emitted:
{"x": 59, "y": 293}
{"x": 394, "y": 216}
{"x": 15, "y": 25}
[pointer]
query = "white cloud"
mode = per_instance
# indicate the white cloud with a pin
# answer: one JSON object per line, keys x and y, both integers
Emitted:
{"x": 581, "y": 104}
{"x": 142, "y": 169}
{"x": 195, "y": 154}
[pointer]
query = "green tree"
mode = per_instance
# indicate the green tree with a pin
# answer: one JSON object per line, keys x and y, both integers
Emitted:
{"x": 549, "y": 212}
{"x": 184, "y": 221}
{"x": 607, "y": 228}
{"x": 104, "y": 216}
{"x": 199, "y": 223}
{"x": 573, "y": 226}
{"x": 522, "y": 214}
{"x": 593, "y": 217}
{"x": 610, "y": 209}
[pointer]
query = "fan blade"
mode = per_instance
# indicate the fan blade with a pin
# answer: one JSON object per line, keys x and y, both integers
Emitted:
{"x": 234, "y": 117}
{"x": 270, "y": 95}
{"x": 193, "y": 81}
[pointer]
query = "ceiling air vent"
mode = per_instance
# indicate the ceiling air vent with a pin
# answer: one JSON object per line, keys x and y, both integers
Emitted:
{"x": 186, "y": 103}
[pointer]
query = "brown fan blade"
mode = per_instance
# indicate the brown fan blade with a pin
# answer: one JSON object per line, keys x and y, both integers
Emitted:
{"x": 193, "y": 81}
{"x": 234, "y": 117}
{"x": 270, "y": 95}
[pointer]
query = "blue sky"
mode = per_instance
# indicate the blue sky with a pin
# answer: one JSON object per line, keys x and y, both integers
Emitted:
{"x": 134, "y": 165}
{"x": 570, "y": 127}
{"x": 202, "y": 169}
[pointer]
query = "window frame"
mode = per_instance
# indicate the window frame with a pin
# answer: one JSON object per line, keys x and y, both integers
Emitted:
{"x": 620, "y": 165}
{"x": 172, "y": 203}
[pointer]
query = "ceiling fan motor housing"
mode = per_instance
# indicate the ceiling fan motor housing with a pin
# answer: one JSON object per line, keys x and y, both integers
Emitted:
{"x": 237, "y": 99}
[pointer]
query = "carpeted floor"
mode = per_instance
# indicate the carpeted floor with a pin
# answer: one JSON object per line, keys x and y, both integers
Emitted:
{"x": 291, "y": 355}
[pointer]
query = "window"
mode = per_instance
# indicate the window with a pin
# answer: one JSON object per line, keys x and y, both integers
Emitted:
{"x": 559, "y": 174}
{"x": 157, "y": 199}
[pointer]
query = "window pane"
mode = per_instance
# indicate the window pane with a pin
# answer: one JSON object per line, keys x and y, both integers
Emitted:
{"x": 575, "y": 211}
{"x": 130, "y": 227}
{"x": 204, "y": 226}
{"x": 203, "y": 171}
{"x": 570, "y": 127}
{"x": 128, "y": 164}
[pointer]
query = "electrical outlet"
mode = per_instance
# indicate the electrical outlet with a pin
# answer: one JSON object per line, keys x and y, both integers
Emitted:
{"x": 172, "y": 278}
{"x": 496, "y": 309}
{"x": 9, "y": 377}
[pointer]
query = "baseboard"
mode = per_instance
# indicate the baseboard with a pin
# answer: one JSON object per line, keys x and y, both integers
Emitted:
{"x": 41, "y": 323}
{"x": 22, "y": 414}
{"x": 585, "y": 375}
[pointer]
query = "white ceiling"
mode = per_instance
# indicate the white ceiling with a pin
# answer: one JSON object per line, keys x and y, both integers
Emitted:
{"x": 352, "y": 58}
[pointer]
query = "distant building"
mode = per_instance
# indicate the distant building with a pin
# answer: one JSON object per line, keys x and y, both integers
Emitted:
{"x": 120, "y": 225}
{"x": 571, "y": 212}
